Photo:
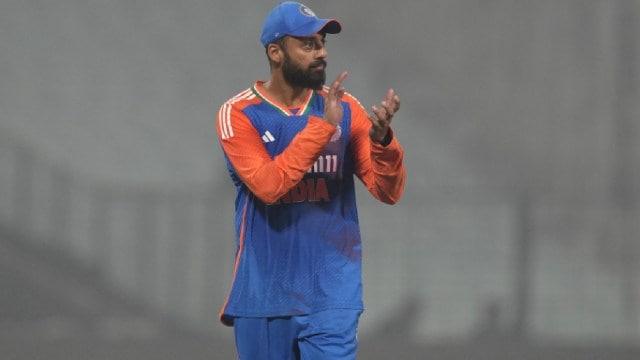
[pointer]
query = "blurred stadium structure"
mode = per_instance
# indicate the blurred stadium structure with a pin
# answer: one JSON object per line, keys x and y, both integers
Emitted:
{"x": 518, "y": 236}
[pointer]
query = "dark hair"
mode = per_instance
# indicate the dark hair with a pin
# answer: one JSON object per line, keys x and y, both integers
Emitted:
{"x": 280, "y": 42}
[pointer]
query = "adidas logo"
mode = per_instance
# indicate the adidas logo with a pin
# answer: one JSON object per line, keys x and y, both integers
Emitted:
{"x": 267, "y": 137}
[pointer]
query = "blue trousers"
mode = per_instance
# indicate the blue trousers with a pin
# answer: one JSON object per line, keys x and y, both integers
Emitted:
{"x": 325, "y": 335}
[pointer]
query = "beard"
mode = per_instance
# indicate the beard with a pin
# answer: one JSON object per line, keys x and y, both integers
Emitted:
{"x": 296, "y": 76}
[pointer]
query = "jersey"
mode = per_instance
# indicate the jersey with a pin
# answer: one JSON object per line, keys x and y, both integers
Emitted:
{"x": 298, "y": 239}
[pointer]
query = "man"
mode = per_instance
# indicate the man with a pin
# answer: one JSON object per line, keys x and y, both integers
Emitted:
{"x": 292, "y": 149}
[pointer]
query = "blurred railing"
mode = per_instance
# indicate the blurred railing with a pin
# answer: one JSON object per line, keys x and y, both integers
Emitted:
{"x": 160, "y": 248}
{"x": 517, "y": 267}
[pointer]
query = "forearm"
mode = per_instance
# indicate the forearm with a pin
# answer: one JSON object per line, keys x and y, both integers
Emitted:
{"x": 384, "y": 175}
{"x": 269, "y": 179}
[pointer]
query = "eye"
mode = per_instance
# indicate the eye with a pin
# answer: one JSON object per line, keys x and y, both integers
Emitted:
{"x": 308, "y": 44}
{"x": 311, "y": 43}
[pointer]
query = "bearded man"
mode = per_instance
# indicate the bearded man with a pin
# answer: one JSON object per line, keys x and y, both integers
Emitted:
{"x": 293, "y": 149}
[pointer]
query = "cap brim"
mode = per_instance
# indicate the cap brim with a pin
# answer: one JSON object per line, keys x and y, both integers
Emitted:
{"x": 329, "y": 26}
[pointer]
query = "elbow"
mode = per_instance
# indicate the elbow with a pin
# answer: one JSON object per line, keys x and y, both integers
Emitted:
{"x": 269, "y": 200}
{"x": 391, "y": 200}
{"x": 389, "y": 197}
{"x": 268, "y": 197}
{"x": 267, "y": 190}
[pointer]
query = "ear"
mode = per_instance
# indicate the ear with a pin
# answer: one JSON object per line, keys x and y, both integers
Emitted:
{"x": 275, "y": 53}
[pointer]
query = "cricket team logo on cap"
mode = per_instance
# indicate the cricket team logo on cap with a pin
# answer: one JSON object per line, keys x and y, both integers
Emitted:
{"x": 295, "y": 19}
{"x": 306, "y": 11}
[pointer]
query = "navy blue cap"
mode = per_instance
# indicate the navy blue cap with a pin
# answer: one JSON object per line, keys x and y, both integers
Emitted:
{"x": 294, "y": 19}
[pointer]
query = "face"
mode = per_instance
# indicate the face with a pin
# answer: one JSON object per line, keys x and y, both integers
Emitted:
{"x": 305, "y": 62}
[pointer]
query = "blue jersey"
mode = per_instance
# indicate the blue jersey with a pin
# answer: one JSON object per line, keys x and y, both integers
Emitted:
{"x": 298, "y": 240}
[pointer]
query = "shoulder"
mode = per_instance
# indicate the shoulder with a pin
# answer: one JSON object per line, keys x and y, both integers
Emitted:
{"x": 231, "y": 116}
{"x": 240, "y": 100}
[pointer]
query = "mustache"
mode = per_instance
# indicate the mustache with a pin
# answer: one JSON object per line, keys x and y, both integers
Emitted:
{"x": 318, "y": 63}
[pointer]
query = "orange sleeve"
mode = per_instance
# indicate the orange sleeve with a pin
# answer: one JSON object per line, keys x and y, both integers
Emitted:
{"x": 380, "y": 168}
{"x": 270, "y": 178}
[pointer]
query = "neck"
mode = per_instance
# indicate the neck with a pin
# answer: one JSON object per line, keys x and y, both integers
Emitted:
{"x": 279, "y": 90}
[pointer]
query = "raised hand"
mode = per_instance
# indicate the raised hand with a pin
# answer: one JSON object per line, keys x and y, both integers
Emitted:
{"x": 381, "y": 117}
{"x": 333, "y": 105}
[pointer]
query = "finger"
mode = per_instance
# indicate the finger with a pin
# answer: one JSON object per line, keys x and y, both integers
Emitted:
{"x": 373, "y": 117}
{"x": 388, "y": 108}
{"x": 336, "y": 94}
{"x": 380, "y": 115}
{"x": 393, "y": 102}
{"x": 376, "y": 112}
{"x": 390, "y": 94}
{"x": 375, "y": 122}
{"x": 336, "y": 85}
{"x": 384, "y": 113}
{"x": 396, "y": 101}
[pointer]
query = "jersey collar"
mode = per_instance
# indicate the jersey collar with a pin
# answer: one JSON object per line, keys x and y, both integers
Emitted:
{"x": 303, "y": 109}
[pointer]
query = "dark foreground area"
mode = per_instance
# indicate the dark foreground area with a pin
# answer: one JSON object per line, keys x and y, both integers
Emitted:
{"x": 203, "y": 348}
{"x": 51, "y": 310}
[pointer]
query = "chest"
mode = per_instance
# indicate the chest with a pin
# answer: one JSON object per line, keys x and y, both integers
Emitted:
{"x": 277, "y": 130}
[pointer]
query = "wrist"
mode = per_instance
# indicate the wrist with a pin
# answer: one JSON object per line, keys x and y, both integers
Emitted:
{"x": 384, "y": 140}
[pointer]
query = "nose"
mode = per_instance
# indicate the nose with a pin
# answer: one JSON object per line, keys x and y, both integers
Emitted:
{"x": 321, "y": 52}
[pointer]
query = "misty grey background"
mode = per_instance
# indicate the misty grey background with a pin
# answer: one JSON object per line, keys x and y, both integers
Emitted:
{"x": 520, "y": 220}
